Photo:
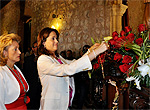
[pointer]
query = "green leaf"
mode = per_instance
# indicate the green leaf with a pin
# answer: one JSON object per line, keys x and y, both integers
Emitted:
{"x": 147, "y": 81}
{"x": 138, "y": 53}
{"x": 136, "y": 46}
{"x": 93, "y": 42}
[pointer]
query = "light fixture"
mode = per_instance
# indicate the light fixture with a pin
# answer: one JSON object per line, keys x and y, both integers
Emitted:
{"x": 53, "y": 27}
{"x": 54, "y": 16}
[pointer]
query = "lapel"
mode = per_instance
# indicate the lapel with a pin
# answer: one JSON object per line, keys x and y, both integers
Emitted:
{"x": 62, "y": 59}
{"x": 6, "y": 69}
{"x": 9, "y": 74}
{"x": 54, "y": 60}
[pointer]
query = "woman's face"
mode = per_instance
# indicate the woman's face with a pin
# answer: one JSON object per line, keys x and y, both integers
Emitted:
{"x": 13, "y": 53}
{"x": 51, "y": 43}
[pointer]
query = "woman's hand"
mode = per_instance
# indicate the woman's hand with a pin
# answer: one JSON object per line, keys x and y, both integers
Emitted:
{"x": 93, "y": 47}
{"x": 103, "y": 47}
{"x": 97, "y": 49}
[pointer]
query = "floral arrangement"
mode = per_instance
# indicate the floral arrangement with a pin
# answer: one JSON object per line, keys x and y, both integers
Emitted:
{"x": 131, "y": 52}
{"x": 140, "y": 71}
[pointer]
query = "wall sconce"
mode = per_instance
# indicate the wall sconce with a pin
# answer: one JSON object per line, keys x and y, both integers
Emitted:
{"x": 53, "y": 27}
{"x": 56, "y": 22}
{"x": 60, "y": 16}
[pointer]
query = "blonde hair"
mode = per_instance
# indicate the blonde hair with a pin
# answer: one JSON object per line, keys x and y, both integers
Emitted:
{"x": 5, "y": 41}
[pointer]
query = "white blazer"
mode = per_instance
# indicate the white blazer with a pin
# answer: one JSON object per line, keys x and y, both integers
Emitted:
{"x": 55, "y": 80}
{"x": 9, "y": 86}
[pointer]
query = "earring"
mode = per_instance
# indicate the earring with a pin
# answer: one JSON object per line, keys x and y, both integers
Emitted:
{"x": 44, "y": 45}
{"x": 5, "y": 54}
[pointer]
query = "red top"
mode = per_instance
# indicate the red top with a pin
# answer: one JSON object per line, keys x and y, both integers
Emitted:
{"x": 19, "y": 103}
{"x": 60, "y": 61}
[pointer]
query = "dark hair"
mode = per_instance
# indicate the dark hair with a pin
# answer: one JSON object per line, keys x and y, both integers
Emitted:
{"x": 69, "y": 51}
{"x": 63, "y": 53}
{"x": 33, "y": 44}
{"x": 42, "y": 36}
{"x": 85, "y": 48}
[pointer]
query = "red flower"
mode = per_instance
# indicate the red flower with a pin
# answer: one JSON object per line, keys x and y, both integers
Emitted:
{"x": 96, "y": 66}
{"x": 123, "y": 68}
{"x": 117, "y": 45}
{"x": 127, "y": 59}
{"x": 127, "y": 49}
{"x": 137, "y": 57}
{"x": 115, "y": 37}
{"x": 114, "y": 34}
{"x": 117, "y": 57}
{"x": 122, "y": 37}
{"x": 142, "y": 27}
{"x": 112, "y": 41}
{"x": 130, "y": 37}
{"x": 116, "y": 41}
{"x": 119, "y": 42}
{"x": 139, "y": 41}
{"x": 128, "y": 29}
{"x": 122, "y": 33}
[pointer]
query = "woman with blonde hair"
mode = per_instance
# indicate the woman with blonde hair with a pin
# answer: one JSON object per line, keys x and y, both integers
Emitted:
{"x": 13, "y": 85}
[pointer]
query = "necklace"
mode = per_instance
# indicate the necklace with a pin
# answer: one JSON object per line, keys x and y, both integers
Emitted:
{"x": 19, "y": 77}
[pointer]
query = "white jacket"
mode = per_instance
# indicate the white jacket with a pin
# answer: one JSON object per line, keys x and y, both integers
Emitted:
{"x": 9, "y": 86}
{"x": 55, "y": 80}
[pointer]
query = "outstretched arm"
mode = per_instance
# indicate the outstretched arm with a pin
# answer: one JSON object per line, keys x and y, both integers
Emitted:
{"x": 97, "y": 49}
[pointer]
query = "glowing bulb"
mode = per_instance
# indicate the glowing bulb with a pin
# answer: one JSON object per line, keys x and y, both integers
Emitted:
{"x": 53, "y": 27}
{"x": 57, "y": 25}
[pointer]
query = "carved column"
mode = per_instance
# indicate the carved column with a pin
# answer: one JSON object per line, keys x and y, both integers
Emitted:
{"x": 117, "y": 11}
{"x": 147, "y": 13}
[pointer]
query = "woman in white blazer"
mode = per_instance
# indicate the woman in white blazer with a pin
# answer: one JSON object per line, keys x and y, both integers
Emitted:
{"x": 55, "y": 72}
{"x": 12, "y": 90}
